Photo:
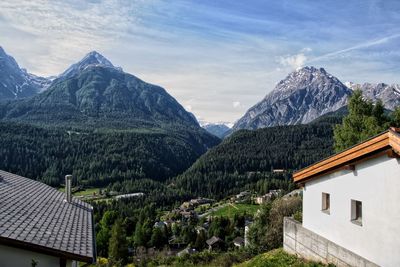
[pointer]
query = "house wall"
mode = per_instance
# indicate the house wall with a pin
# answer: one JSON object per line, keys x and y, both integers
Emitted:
{"x": 12, "y": 257}
{"x": 307, "y": 244}
{"x": 376, "y": 183}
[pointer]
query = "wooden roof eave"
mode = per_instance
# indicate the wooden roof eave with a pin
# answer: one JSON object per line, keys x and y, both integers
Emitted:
{"x": 389, "y": 140}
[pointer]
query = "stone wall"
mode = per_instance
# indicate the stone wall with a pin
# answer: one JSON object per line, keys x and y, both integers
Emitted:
{"x": 307, "y": 244}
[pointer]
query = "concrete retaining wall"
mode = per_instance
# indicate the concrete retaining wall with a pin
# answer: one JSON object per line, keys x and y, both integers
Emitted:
{"x": 307, "y": 244}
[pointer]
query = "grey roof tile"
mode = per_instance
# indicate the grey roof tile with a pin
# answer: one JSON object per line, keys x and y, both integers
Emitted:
{"x": 36, "y": 213}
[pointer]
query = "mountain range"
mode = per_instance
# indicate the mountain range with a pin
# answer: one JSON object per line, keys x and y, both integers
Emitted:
{"x": 16, "y": 83}
{"x": 307, "y": 94}
{"x": 101, "y": 123}
{"x": 219, "y": 129}
{"x": 94, "y": 92}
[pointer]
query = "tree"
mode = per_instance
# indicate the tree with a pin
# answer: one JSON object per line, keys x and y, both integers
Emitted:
{"x": 138, "y": 238}
{"x": 363, "y": 121}
{"x": 118, "y": 248}
{"x": 188, "y": 234}
{"x": 201, "y": 239}
{"x": 158, "y": 238}
{"x": 396, "y": 117}
{"x": 103, "y": 235}
{"x": 266, "y": 232}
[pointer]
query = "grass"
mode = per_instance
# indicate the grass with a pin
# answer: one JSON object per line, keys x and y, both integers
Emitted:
{"x": 87, "y": 192}
{"x": 273, "y": 258}
{"x": 240, "y": 209}
{"x": 278, "y": 258}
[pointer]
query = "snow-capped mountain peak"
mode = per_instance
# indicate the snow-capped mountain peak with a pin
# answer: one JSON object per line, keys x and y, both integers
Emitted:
{"x": 389, "y": 94}
{"x": 95, "y": 58}
{"x": 301, "y": 97}
{"x": 219, "y": 129}
{"x": 16, "y": 82}
{"x": 92, "y": 59}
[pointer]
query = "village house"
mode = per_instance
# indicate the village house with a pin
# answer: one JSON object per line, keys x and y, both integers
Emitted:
{"x": 187, "y": 251}
{"x": 238, "y": 242}
{"x": 243, "y": 194}
{"x": 41, "y": 226}
{"x": 201, "y": 201}
{"x": 215, "y": 243}
{"x": 267, "y": 197}
{"x": 350, "y": 212}
{"x": 160, "y": 225}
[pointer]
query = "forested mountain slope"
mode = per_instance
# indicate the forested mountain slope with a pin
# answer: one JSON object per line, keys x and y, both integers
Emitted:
{"x": 247, "y": 156}
{"x": 102, "y": 125}
{"x": 97, "y": 157}
{"x": 100, "y": 96}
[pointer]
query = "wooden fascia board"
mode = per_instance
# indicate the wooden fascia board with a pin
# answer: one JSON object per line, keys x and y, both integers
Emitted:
{"x": 375, "y": 144}
{"x": 394, "y": 141}
{"x": 342, "y": 154}
{"x": 348, "y": 167}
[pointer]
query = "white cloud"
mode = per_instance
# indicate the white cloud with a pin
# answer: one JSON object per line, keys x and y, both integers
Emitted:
{"x": 236, "y": 104}
{"x": 359, "y": 46}
{"x": 294, "y": 61}
{"x": 64, "y": 29}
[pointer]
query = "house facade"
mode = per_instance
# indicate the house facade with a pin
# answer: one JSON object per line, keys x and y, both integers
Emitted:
{"x": 41, "y": 226}
{"x": 350, "y": 213}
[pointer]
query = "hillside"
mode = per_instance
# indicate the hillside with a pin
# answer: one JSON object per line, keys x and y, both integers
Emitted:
{"x": 102, "y": 125}
{"x": 278, "y": 258}
{"x": 100, "y": 97}
{"x": 247, "y": 156}
{"x": 98, "y": 157}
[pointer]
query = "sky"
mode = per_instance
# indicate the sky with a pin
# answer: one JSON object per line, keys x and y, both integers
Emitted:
{"x": 216, "y": 57}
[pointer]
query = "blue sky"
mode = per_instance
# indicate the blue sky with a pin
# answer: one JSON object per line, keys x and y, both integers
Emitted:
{"x": 216, "y": 57}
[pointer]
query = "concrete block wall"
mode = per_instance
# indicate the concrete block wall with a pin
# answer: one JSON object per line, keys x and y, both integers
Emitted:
{"x": 308, "y": 245}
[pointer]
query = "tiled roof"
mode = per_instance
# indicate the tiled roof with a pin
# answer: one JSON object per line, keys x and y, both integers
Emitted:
{"x": 387, "y": 142}
{"x": 35, "y": 216}
{"x": 238, "y": 240}
{"x": 213, "y": 240}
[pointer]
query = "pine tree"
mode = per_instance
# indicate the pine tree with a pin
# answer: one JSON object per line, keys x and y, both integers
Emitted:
{"x": 138, "y": 237}
{"x": 201, "y": 239}
{"x": 118, "y": 248}
{"x": 396, "y": 117}
{"x": 103, "y": 235}
{"x": 157, "y": 239}
{"x": 363, "y": 121}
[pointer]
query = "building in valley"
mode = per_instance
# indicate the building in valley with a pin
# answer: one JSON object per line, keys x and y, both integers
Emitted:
{"x": 41, "y": 226}
{"x": 350, "y": 212}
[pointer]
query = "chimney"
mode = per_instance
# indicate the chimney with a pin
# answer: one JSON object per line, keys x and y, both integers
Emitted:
{"x": 68, "y": 195}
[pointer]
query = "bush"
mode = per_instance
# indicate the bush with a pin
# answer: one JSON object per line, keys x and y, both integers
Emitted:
{"x": 266, "y": 232}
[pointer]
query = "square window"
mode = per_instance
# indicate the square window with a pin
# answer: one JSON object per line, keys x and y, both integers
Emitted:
{"x": 356, "y": 212}
{"x": 326, "y": 202}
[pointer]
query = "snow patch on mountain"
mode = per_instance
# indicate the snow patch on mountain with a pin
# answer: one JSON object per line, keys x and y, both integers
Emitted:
{"x": 301, "y": 97}
{"x": 17, "y": 82}
{"x": 92, "y": 59}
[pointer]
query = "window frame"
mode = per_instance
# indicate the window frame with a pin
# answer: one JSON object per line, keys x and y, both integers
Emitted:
{"x": 356, "y": 212}
{"x": 326, "y": 203}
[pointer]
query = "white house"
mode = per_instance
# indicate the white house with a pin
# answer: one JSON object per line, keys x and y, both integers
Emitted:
{"x": 351, "y": 213}
{"x": 41, "y": 226}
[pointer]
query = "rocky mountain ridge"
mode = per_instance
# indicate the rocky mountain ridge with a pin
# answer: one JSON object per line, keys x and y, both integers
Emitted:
{"x": 300, "y": 98}
{"x": 94, "y": 91}
{"x": 16, "y": 82}
{"x": 307, "y": 94}
{"x": 388, "y": 93}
